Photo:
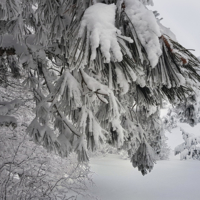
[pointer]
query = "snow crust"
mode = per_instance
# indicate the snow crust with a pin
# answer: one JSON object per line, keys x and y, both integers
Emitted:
{"x": 99, "y": 20}
{"x": 146, "y": 27}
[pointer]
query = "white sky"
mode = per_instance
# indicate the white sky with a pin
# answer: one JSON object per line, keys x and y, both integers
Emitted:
{"x": 183, "y": 18}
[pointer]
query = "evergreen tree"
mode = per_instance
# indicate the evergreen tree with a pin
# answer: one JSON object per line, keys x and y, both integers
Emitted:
{"x": 99, "y": 71}
{"x": 189, "y": 148}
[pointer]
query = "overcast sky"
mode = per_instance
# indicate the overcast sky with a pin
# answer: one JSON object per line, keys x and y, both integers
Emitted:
{"x": 183, "y": 18}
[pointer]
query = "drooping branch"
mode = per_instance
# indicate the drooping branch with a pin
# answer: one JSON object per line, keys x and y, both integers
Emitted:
{"x": 50, "y": 88}
{"x": 170, "y": 48}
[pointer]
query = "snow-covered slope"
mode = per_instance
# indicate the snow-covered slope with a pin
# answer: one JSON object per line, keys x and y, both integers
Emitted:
{"x": 172, "y": 179}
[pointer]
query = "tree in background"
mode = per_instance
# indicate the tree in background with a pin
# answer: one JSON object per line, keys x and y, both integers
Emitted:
{"x": 185, "y": 111}
{"x": 190, "y": 147}
{"x": 99, "y": 71}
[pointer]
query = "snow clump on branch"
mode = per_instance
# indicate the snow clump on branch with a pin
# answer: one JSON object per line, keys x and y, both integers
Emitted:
{"x": 146, "y": 28}
{"x": 99, "y": 20}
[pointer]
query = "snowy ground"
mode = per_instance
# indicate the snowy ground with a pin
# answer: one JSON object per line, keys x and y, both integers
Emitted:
{"x": 172, "y": 179}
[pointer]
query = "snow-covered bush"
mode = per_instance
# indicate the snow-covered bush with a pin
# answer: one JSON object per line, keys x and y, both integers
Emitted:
{"x": 190, "y": 148}
{"x": 28, "y": 171}
{"x": 97, "y": 69}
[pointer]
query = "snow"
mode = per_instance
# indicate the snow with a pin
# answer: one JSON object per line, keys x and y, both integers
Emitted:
{"x": 99, "y": 20}
{"x": 96, "y": 129}
{"x": 94, "y": 85}
{"x": 74, "y": 88}
{"x": 152, "y": 110}
{"x": 146, "y": 27}
{"x": 172, "y": 179}
{"x": 121, "y": 80}
{"x": 120, "y": 131}
{"x": 116, "y": 179}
